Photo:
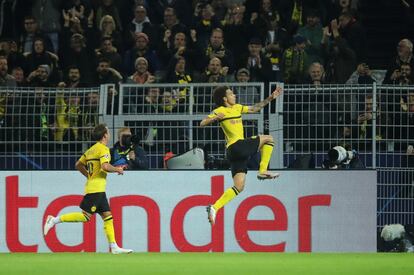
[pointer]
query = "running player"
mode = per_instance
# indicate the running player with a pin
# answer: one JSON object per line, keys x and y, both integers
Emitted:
{"x": 94, "y": 165}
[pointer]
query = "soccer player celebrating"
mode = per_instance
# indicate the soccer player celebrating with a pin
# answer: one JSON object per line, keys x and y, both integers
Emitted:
{"x": 94, "y": 165}
{"x": 239, "y": 149}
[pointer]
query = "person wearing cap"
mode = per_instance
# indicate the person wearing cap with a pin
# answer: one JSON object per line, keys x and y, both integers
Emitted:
{"x": 141, "y": 49}
{"x": 141, "y": 75}
{"x": 77, "y": 54}
{"x": 256, "y": 62}
{"x": 295, "y": 61}
{"x": 247, "y": 95}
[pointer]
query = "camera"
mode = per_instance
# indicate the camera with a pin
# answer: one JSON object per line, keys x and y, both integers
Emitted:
{"x": 341, "y": 158}
{"x": 130, "y": 140}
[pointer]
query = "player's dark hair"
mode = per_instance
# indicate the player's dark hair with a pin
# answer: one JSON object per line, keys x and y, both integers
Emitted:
{"x": 99, "y": 131}
{"x": 218, "y": 95}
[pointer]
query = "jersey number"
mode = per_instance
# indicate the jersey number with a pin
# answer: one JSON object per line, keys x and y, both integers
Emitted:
{"x": 89, "y": 167}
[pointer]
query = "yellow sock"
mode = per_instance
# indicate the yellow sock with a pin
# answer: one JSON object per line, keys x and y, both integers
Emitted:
{"x": 266, "y": 153}
{"x": 109, "y": 229}
{"x": 227, "y": 196}
{"x": 74, "y": 217}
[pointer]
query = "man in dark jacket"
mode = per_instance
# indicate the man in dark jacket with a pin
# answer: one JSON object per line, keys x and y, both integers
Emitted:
{"x": 127, "y": 153}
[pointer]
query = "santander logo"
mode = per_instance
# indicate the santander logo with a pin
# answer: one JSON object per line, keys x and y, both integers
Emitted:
{"x": 242, "y": 224}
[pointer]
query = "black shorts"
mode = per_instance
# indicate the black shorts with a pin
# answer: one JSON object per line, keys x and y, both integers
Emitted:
{"x": 95, "y": 203}
{"x": 239, "y": 153}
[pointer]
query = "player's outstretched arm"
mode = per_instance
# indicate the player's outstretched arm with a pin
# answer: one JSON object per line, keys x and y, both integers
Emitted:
{"x": 113, "y": 169}
{"x": 82, "y": 168}
{"x": 258, "y": 106}
{"x": 209, "y": 120}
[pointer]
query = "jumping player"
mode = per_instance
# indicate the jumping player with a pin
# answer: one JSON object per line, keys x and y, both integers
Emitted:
{"x": 239, "y": 149}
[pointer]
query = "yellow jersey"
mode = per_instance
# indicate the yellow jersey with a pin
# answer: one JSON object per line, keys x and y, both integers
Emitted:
{"x": 93, "y": 159}
{"x": 232, "y": 123}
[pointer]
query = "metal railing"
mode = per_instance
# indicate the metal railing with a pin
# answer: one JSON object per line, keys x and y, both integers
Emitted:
{"x": 376, "y": 121}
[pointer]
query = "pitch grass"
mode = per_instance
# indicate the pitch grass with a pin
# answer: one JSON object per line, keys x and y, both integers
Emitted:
{"x": 206, "y": 263}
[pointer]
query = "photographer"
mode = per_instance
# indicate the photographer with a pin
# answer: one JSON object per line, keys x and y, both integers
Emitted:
{"x": 127, "y": 153}
{"x": 341, "y": 158}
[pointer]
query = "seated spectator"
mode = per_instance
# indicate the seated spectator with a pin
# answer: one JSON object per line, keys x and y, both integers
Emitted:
{"x": 168, "y": 102}
{"x": 127, "y": 152}
{"x": 108, "y": 51}
{"x": 295, "y": 61}
{"x": 105, "y": 74}
{"x": 246, "y": 95}
{"x": 108, "y": 7}
{"x": 72, "y": 25}
{"x": 141, "y": 24}
{"x": 178, "y": 48}
{"x": 6, "y": 80}
{"x": 403, "y": 76}
{"x": 404, "y": 55}
{"x": 141, "y": 75}
{"x": 39, "y": 56}
{"x": 41, "y": 77}
{"x": 141, "y": 49}
{"x": 72, "y": 79}
{"x": 365, "y": 120}
{"x": 205, "y": 23}
{"x": 47, "y": 14}
{"x": 151, "y": 101}
{"x": 313, "y": 33}
{"x": 32, "y": 31}
{"x": 362, "y": 75}
{"x": 171, "y": 26}
{"x": 177, "y": 72}
{"x": 8, "y": 49}
{"x": 80, "y": 56}
{"x": 107, "y": 28}
{"x": 316, "y": 74}
{"x": 18, "y": 75}
{"x": 214, "y": 73}
{"x": 216, "y": 48}
{"x": 256, "y": 62}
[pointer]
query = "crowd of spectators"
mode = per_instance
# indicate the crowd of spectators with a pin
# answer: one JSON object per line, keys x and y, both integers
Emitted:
{"x": 179, "y": 41}
{"x": 86, "y": 43}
